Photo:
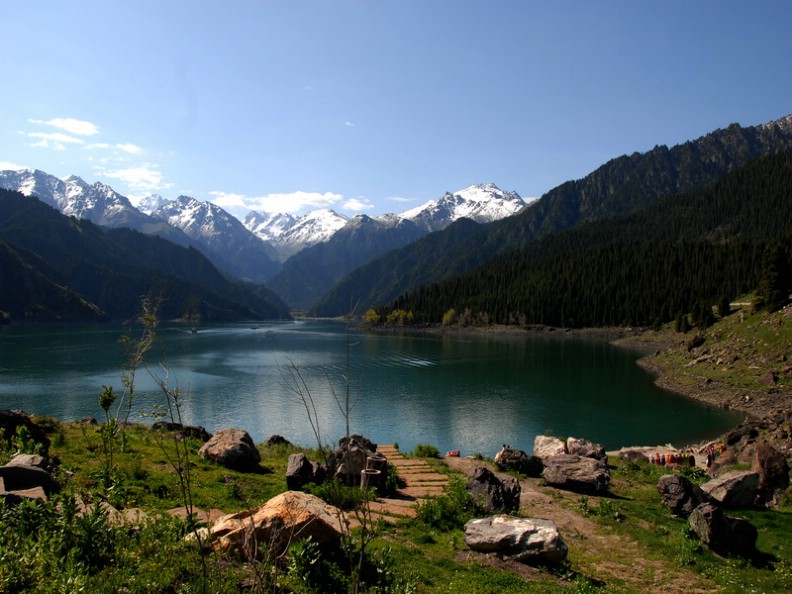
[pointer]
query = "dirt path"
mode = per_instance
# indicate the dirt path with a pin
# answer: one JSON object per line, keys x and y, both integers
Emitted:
{"x": 613, "y": 559}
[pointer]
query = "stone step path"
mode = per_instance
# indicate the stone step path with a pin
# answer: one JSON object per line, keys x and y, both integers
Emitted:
{"x": 418, "y": 480}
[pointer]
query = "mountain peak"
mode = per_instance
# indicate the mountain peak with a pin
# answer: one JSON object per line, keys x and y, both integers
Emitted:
{"x": 483, "y": 203}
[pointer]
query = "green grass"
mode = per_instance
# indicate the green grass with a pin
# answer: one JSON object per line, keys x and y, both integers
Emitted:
{"x": 46, "y": 548}
{"x": 145, "y": 475}
{"x": 738, "y": 348}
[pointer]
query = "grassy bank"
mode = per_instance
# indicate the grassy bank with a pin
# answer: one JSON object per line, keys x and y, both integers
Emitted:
{"x": 742, "y": 362}
{"x": 624, "y": 541}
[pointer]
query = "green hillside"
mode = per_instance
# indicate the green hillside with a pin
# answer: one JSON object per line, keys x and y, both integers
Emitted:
{"x": 52, "y": 262}
{"x": 621, "y": 186}
{"x": 639, "y": 269}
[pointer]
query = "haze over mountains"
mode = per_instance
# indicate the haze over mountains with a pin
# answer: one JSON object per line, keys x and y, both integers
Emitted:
{"x": 329, "y": 264}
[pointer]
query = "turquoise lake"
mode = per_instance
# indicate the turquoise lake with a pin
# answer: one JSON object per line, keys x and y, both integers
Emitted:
{"x": 471, "y": 393}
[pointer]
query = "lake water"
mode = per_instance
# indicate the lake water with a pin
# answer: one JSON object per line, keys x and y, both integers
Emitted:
{"x": 472, "y": 393}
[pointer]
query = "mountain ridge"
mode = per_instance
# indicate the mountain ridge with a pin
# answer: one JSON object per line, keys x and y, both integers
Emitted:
{"x": 620, "y": 186}
{"x": 112, "y": 269}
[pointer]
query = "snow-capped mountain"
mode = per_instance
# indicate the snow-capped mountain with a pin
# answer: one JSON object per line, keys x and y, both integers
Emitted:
{"x": 227, "y": 242}
{"x": 289, "y": 235}
{"x": 73, "y": 196}
{"x": 97, "y": 202}
{"x": 267, "y": 225}
{"x": 254, "y": 249}
{"x": 483, "y": 203}
{"x": 151, "y": 203}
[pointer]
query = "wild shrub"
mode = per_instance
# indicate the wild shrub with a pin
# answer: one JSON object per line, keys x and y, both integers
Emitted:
{"x": 450, "y": 511}
{"x": 426, "y": 450}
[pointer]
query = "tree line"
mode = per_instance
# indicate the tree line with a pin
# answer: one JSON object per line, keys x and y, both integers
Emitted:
{"x": 680, "y": 255}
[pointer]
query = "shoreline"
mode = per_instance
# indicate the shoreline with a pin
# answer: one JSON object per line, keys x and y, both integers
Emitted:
{"x": 754, "y": 403}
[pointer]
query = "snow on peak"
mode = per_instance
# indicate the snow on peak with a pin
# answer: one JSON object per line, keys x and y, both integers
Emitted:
{"x": 288, "y": 234}
{"x": 483, "y": 203}
{"x": 149, "y": 204}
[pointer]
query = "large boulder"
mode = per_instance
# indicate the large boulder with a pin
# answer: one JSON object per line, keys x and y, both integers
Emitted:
{"x": 773, "y": 470}
{"x": 276, "y": 440}
{"x": 722, "y": 534}
{"x": 300, "y": 472}
{"x": 527, "y": 540}
{"x": 517, "y": 460}
{"x": 12, "y": 421}
{"x": 736, "y": 488}
{"x": 351, "y": 457}
{"x": 680, "y": 495}
{"x": 546, "y": 446}
{"x": 270, "y": 528}
{"x": 233, "y": 448}
{"x": 576, "y": 473}
{"x": 492, "y": 493}
{"x": 633, "y": 455}
{"x": 193, "y": 431}
{"x": 586, "y": 448}
{"x": 30, "y": 460}
{"x": 21, "y": 477}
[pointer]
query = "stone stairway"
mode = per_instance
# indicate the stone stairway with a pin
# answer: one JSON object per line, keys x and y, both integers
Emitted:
{"x": 419, "y": 481}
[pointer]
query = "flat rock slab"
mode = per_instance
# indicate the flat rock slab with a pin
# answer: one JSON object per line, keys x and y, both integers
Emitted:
{"x": 737, "y": 488}
{"x": 518, "y": 539}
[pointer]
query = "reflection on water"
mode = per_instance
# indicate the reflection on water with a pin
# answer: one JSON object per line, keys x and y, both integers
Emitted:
{"x": 472, "y": 393}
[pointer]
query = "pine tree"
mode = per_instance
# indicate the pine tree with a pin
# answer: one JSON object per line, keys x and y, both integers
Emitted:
{"x": 775, "y": 282}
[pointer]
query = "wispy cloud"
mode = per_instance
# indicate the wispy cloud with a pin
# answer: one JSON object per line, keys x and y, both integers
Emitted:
{"x": 288, "y": 202}
{"x": 70, "y": 125}
{"x": 129, "y": 148}
{"x": 5, "y": 166}
{"x": 52, "y": 140}
{"x": 349, "y": 124}
{"x": 356, "y": 205}
{"x": 145, "y": 178}
{"x": 401, "y": 199}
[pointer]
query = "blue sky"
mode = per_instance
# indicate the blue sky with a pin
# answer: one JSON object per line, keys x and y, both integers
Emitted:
{"x": 374, "y": 105}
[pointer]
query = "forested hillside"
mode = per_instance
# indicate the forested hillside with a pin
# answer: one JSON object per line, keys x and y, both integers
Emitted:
{"x": 621, "y": 186}
{"x": 682, "y": 254}
{"x": 61, "y": 268}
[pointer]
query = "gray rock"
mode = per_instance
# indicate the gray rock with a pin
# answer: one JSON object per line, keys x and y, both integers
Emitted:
{"x": 192, "y": 431}
{"x": 546, "y": 446}
{"x": 737, "y": 488}
{"x": 276, "y": 440}
{"x": 525, "y": 540}
{"x": 233, "y": 448}
{"x": 722, "y": 534}
{"x": 350, "y": 458}
{"x": 300, "y": 472}
{"x": 517, "y": 460}
{"x": 492, "y": 493}
{"x": 22, "y": 478}
{"x": 632, "y": 455}
{"x": 12, "y": 420}
{"x": 576, "y": 473}
{"x": 29, "y": 460}
{"x": 584, "y": 447}
{"x": 680, "y": 495}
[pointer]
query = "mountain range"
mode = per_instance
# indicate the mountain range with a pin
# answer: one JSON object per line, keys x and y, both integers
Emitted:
{"x": 329, "y": 264}
{"x": 254, "y": 250}
{"x": 56, "y": 267}
{"x": 620, "y": 186}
